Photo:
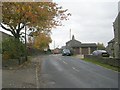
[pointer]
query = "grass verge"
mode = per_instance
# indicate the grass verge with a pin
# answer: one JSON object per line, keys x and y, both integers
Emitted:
{"x": 102, "y": 64}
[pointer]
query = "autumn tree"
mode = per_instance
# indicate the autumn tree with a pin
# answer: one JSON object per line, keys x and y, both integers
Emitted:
{"x": 35, "y": 15}
{"x": 100, "y": 46}
{"x": 41, "y": 41}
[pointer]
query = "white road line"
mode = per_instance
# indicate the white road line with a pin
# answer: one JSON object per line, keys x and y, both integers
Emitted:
{"x": 37, "y": 80}
{"x": 75, "y": 69}
{"x": 65, "y": 62}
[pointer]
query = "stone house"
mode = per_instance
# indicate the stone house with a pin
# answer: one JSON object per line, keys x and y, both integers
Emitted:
{"x": 114, "y": 45}
{"x": 110, "y": 48}
{"x": 80, "y": 48}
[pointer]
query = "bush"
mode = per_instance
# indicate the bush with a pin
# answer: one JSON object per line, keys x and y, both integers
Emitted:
{"x": 12, "y": 48}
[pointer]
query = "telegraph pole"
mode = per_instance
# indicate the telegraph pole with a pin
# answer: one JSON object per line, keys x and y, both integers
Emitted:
{"x": 70, "y": 34}
{"x": 54, "y": 44}
{"x": 25, "y": 44}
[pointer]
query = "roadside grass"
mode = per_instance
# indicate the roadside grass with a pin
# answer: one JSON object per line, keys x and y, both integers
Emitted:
{"x": 102, "y": 64}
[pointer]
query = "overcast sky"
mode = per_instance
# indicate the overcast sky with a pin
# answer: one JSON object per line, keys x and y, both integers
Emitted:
{"x": 91, "y": 21}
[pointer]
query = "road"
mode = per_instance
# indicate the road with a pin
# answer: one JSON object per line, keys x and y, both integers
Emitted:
{"x": 0, "y": 71}
{"x": 69, "y": 72}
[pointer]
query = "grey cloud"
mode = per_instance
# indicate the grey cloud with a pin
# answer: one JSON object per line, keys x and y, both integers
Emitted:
{"x": 90, "y": 22}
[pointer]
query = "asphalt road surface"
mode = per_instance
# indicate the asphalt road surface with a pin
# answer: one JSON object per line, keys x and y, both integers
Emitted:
{"x": 69, "y": 72}
{"x": 0, "y": 71}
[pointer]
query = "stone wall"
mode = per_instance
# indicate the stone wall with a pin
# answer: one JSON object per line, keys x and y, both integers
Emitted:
{"x": 13, "y": 62}
{"x": 105, "y": 60}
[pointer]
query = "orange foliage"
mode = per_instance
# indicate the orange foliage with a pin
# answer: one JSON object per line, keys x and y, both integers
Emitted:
{"x": 42, "y": 41}
{"x": 6, "y": 56}
{"x": 37, "y": 15}
{"x": 40, "y": 14}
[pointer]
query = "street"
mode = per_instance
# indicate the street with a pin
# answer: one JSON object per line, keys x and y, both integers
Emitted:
{"x": 57, "y": 71}
{"x": 52, "y": 44}
{"x": 68, "y": 72}
{"x": 0, "y": 71}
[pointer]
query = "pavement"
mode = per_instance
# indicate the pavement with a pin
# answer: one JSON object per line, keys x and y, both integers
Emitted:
{"x": 24, "y": 76}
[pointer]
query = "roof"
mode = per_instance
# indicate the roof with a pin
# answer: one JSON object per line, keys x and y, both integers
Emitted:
{"x": 76, "y": 43}
{"x": 111, "y": 41}
{"x": 88, "y": 45}
{"x": 116, "y": 19}
{"x": 73, "y": 42}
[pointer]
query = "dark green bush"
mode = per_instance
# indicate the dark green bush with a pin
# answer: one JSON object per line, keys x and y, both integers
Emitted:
{"x": 12, "y": 48}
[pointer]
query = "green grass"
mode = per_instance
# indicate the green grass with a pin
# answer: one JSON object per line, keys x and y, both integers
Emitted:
{"x": 102, "y": 64}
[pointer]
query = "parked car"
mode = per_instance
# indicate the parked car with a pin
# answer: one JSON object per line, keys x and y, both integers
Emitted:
{"x": 66, "y": 52}
{"x": 102, "y": 53}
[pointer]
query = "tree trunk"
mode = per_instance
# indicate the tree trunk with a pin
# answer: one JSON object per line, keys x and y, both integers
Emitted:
{"x": 16, "y": 35}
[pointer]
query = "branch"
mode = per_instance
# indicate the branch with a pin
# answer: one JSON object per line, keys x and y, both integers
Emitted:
{"x": 12, "y": 31}
{"x": 19, "y": 28}
{"x": 5, "y": 27}
{"x": 22, "y": 27}
{"x": 11, "y": 27}
{"x": 18, "y": 25}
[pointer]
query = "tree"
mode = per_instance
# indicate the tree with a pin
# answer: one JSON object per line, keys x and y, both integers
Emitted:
{"x": 12, "y": 48}
{"x": 41, "y": 41}
{"x": 100, "y": 46}
{"x": 37, "y": 15}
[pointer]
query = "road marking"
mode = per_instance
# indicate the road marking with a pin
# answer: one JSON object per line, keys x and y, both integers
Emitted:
{"x": 64, "y": 62}
{"x": 37, "y": 80}
{"x": 75, "y": 69}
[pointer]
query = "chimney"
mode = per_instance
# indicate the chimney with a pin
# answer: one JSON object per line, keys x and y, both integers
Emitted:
{"x": 73, "y": 38}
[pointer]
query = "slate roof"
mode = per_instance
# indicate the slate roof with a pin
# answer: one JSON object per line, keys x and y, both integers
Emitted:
{"x": 111, "y": 41}
{"x": 88, "y": 45}
{"x": 76, "y": 43}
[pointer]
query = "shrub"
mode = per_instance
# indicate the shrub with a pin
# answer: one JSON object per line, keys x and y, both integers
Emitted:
{"x": 12, "y": 48}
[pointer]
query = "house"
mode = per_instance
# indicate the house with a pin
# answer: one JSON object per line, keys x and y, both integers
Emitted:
{"x": 80, "y": 48}
{"x": 110, "y": 47}
{"x": 114, "y": 45}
